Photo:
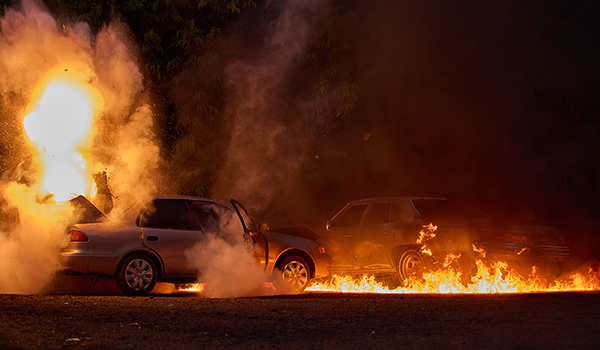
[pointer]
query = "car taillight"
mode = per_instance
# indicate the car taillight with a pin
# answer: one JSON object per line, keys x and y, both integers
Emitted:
{"x": 78, "y": 236}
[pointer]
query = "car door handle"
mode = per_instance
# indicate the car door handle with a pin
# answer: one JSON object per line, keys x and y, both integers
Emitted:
{"x": 386, "y": 233}
{"x": 348, "y": 236}
{"x": 152, "y": 238}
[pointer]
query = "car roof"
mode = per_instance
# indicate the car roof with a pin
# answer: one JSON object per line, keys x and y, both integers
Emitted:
{"x": 191, "y": 198}
{"x": 402, "y": 198}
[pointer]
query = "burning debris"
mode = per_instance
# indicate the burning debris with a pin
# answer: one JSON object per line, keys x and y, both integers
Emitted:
{"x": 427, "y": 233}
{"x": 103, "y": 197}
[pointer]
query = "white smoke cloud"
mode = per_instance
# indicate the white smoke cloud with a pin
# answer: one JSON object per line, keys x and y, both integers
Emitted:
{"x": 32, "y": 44}
{"x": 225, "y": 263}
{"x": 29, "y": 252}
{"x": 266, "y": 149}
{"x": 261, "y": 158}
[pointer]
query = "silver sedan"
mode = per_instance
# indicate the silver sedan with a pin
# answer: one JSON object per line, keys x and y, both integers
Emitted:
{"x": 148, "y": 243}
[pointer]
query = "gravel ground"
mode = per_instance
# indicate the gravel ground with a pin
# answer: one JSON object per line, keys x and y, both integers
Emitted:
{"x": 308, "y": 321}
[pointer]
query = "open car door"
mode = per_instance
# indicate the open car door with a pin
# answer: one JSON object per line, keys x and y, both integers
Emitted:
{"x": 254, "y": 238}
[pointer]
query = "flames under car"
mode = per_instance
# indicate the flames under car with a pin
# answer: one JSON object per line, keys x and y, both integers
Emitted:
{"x": 148, "y": 243}
{"x": 382, "y": 235}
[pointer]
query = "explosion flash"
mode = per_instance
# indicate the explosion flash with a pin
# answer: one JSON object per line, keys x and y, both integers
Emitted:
{"x": 78, "y": 97}
{"x": 58, "y": 125}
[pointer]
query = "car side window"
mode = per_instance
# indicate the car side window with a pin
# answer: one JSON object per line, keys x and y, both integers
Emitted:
{"x": 350, "y": 217}
{"x": 379, "y": 213}
{"x": 168, "y": 214}
{"x": 206, "y": 216}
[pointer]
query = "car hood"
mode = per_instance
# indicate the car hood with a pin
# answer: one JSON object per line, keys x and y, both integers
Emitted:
{"x": 85, "y": 211}
{"x": 302, "y": 231}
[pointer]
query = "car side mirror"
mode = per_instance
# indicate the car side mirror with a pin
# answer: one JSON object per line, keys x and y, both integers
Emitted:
{"x": 263, "y": 226}
{"x": 328, "y": 226}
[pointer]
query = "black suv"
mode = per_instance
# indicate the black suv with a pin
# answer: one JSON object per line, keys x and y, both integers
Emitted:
{"x": 379, "y": 235}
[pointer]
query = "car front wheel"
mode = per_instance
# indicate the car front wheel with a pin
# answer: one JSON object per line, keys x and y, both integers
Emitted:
{"x": 410, "y": 265}
{"x": 295, "y": 273}
{"x": 136, "y": 275}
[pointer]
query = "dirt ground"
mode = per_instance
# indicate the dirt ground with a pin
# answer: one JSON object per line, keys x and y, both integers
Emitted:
{"x": 308, "y": 321}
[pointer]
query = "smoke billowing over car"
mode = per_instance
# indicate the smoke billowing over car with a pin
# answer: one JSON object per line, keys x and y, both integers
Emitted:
{"x": 151, "y": 241}
{"x": 382, "y": 236}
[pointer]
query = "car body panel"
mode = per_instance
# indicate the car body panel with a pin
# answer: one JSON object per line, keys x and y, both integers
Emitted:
{"x": 282, "y": 244}
{"x": 171, "y": 245}
{"x": 371, "y": 246}
{"x": 108, "y": 242}
{"x": 75, "y": 258}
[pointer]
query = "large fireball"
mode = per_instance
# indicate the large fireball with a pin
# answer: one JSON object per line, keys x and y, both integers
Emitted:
{"x": 59, "y": 124}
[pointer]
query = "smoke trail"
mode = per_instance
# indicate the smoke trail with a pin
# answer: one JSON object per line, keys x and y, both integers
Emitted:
{"x": 262, "y": 155}
{"x": 33, "y": 44}
{"x": 265, "y": 149}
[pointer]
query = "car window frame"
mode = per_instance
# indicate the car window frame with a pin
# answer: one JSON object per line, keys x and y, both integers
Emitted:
{"x": 370, "y": 210}
{"x": 347, "y": 208}
{"x": 145, "y": 211}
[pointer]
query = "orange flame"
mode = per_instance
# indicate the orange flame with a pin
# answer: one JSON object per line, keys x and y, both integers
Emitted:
{"x": 192, "y": 287}
{"x": 427, "y": 233}
{"x": 496, "y": 278}
{"x": 59, "y": 124}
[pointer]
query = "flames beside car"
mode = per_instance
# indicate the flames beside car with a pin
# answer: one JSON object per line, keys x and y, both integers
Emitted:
{"x": 385, "y": 236}
{"x": 549, "y": 245}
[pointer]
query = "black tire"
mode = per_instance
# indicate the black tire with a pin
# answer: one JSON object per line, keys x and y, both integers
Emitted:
{"x": 136, "y": 275}
{"x": 410, "y": 265}
{"x": 295, "y": 273}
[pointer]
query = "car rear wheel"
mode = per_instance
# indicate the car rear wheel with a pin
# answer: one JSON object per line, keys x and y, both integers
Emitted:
{"x": 295, "y": 273}
{"x": 410, "y": 265}
{"x": 136, "y": 275}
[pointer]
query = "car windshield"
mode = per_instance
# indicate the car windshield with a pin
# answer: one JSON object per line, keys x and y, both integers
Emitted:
{"x": 445, "y": 208}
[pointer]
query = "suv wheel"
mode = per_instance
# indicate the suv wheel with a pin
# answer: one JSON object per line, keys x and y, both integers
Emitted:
{"x": 410, "y": 265}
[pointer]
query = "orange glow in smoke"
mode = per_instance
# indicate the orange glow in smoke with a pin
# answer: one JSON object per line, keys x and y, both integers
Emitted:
{"x": 59, "y": 124}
